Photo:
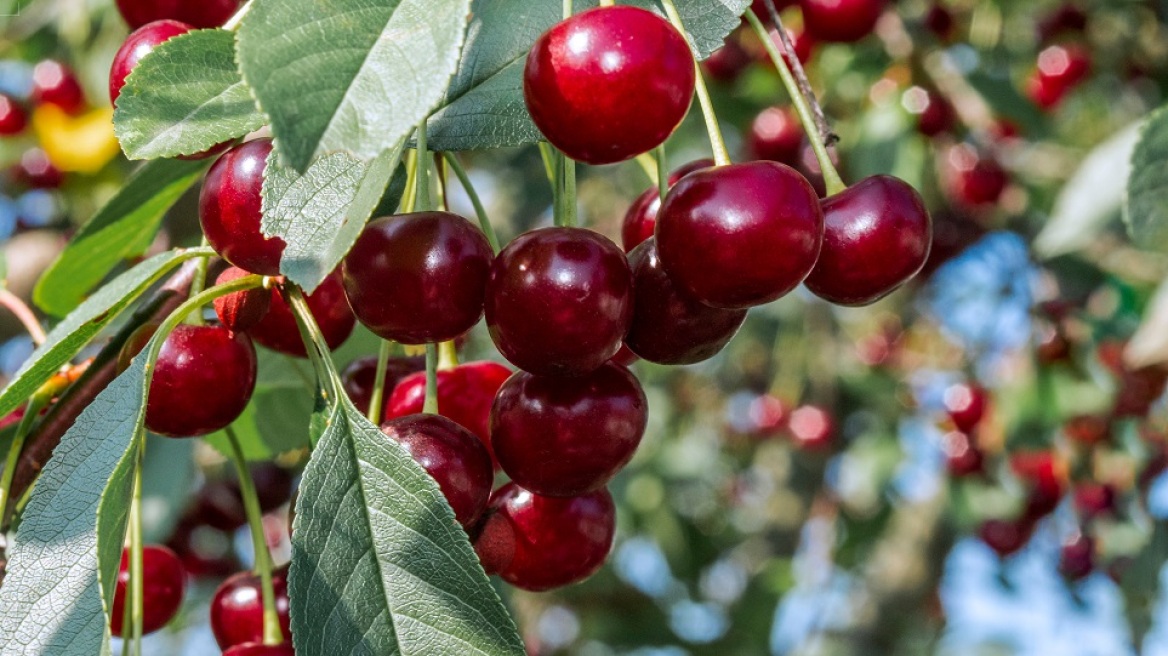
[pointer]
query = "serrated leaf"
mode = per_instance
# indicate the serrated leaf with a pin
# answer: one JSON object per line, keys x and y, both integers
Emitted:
{"x": 321, "y": 213}
{"x": 379, "y": 564}
{"x": 120, "y": 230}
{"x": 185, "y": 97}
{"x": 1146, "y": 207}
{"x": 83, "y": 324}
{"x": 348, "y": 75}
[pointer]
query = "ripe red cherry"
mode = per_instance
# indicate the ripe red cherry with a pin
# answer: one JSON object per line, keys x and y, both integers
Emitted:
{"x": 1060, "y": 69}
{"x": 202, "y": 382}
{"x": 278, "y": 331}
{"x": 1067, "y": 18}
{"x": 641, "y": 219}
{"x": 54, "y": 83}
{"x": 360, "y": 376}
{"x": 966, "y": 404}
{"x": 13, "y": 118}
{"x": 609, "y": 83}
{"x": 418, "y": 278}
{"x": 1094, "y": 499}
{"x": 776, "y": 135}
{"x": 453, "y": 456}
{"x": 241, "y": 310}
{"x": 1005, "y": 536}
{"x": 974, "y": 178}
{"x": 934, "y": 114}
{"x": 465, "y": 395}
{"x": 260, "y": 649}
{"x": 842, "y": 21}
{"x": 36, "y": 171}
{"x": 1043, "y": 476}
{"x": 229, "y": 209}
{"x": 1077, "y": 557}
{"x": 564, "y": 437}
{"x": 559, "y": 301}
{"x": 669, "y": 326}
{"x": 962, "y": 457}
{"x": 877, "y": 235}
{"x": 940, "y": 22}
{"x": 548, "y": 542}
{"x": 237, "y": 609}
{"x": 740, "y": 235}
{"x": 163, "y": 582}
{"x": 726, "y": 63}
{"x": 140, "y": 43}
{"x": 811, "y": 428}
{"x": 199, "y": 13}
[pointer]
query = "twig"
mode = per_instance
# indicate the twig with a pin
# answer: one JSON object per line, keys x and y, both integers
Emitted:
{"x": 826, "y": 135}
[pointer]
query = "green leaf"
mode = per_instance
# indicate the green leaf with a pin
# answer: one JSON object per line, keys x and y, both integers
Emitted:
{"x": 321, "y": 213}
{"x": 185, "y": 97}
{"x": 276, "y": 419}
{"x": 169, "y": 478}
{"x": 119, "y": 231}
{"x": 379, "y": 564}
{"x": 348, "y": 75}
{"x": 84, "y": 323}
{"x": 1146, "y": 209}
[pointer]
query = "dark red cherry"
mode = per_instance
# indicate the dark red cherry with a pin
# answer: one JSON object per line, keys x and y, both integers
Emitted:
{"x": 1043, "y": 475}
{"x": 1094, "y": 499}
{"x": 1077, "y": 557}
{"x": 962, "y": 457}
{"x": 1005, "y": 536}
{"x": 877, "y": 235}
{"x": 418, "y": 278}
{"x": 54, "y": 83}
{"x": 553, "y": 541}
{"x": 559, "y": 301}
{"x": 940, "y": 22}
{"x": 564, "y": 437}
{"x": 1087, "y": 430}
{"x": 669, "y": 326}
{"x": 199, "y": 13}
{"x": 36, "y": 170}
{"x": 1060, "y": 69}
{"x": 641, "y": 219}
{"x": 140, "y": 43}
{"x": 205, "y": 552}
{"x": 760, "y": 9}
{"x": 242, "y": 310}
{"x": 726, "y": 63}
{"x": 811, "y": 428}
{"x": 13, "y": 117}
{"x": 237, "y": 609}
{"x": 974, "y": 178}
{"x": 934, "y": 114}
{"x": 453, "y": 456}
{"x": 260, "y": 649}
{"x": 361, "y": 375}
{"x": 278, "y": 331}
{"x": 966, "y": 404}
{"x": 776, "y": 135}
{"x": 163, "y": 583}
{"x": 465, "y": 395}
{"x": 229, "y": 209}
{"x": 204, "y": 378}
{"x": 740, "y": 235}
{"x": 609, "y": 83}
{"x": 842, "y": 21}
{"x": 1067, "y": 18}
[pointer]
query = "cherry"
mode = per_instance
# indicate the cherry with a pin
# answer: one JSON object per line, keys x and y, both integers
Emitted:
{"x": 1077, "y": 557}
{"x": 1138, "y": 390}
{"x": 229, "y": 209}
{"x": 940, "y": 22}
{"x": 203, "y": 380}
{"x": 199, "y": 13}
{"x": 609, "y": 83}
{"x": 1067, "y": 18}
{"x": 877, "y": 235}
{"x": 260, "y": 649}
{"x": 962, "y": 456}
{"x": 811, "y": 428}
{"x": 934, "y": 114}
{"x": 140, "y": 43}
{"x": 726, "y": 63}
{"x": 360, "y": 376}
{"x": 966, "y": 404}
{"x": 37, "y": 171}
{"x": 801, "y": 42}
{"x": 163, "y": 583}
{"x": 841, "y": 21}
{"x": 776, "y": 135}
{"x": 564, "y": 437}
{"x": 768, "y": 415}
{"x": 740, "y": 235}
{"x": 454, "y": 458}
{"x": 1004, "y": 536}
{"x": 670, "y": 327}
{"x": 1053, "y": 345}
{"x": 1087, "y": 430}
{"x": 1060, "y": 69}
{"x": 641, "y": 219}
{"x": 542, "y": 543}
{"x": 1094, "y": 499}
{"x": 278, "y": 331}
{"x": 559, "y": 301}
{"x": 1043, "y": 476}
{"x": 974, "y": 178}
{"x": 219, "y": 504}
{"x": 808, "y": 166}
{"x": 242, "y": 310}
{"x": 465, "y": 395}
{"x": 237, "y": 609}
{"x": 205, "y": 551}
{"x": 418, "y": 278}
{"x": 54, "y": 83}
{"x": 13, "y": 118}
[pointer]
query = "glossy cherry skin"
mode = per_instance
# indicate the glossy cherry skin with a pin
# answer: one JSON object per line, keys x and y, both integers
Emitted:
{"x": 966, "y": 404}
{"x": 563, "y": 437}
{"x": 199, "y": 13}
{"x": 609, "y": 83}
{"x": 237, "y": 609}
{"x": 203, "y": 380}
{"x": 54, "y": 83}
{"x": 229, "y": 209}
{"x": 278, "y": 331}
{"x": 548, "y": 542}
{"x": 418, "y": 278}
{"x": 260, "y": 649}
{"x": 842, "y": 21}
{"x": 13, "y": 117}
{"x": 140, "y": 43}
{"x": 776, "y": 135}
{"x": 241, "y": 310}
{"x": 877, "y": 234}
{"x": 559, "y": 301}
{"x": 453, "y": 456}
{"x": 669, "y": 326}
{"x": 740, "y": 235}
{"x": 641, "y": 219}
{"x": 361, "y": 375}
{"x": 465, "y": 395}
{"x": 163, "y": 583}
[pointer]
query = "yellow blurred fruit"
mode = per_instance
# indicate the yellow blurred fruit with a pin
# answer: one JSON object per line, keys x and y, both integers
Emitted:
{"x": 82, "y": 144}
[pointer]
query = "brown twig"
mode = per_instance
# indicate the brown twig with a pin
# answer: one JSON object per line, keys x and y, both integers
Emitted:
{"x": 825, "y": 133}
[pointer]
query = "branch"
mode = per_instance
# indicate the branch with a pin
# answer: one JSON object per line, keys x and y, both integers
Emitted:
{"x": 828, "y": 137}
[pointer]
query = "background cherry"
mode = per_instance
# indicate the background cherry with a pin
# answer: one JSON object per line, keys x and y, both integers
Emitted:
{"x": 559, "y": 301}
{"x": 140, "y": 43}
{"x": 260, "y": 649}
{"x": 641, "y": 219}
{"x": 242, "y": 310}
{"x": 1005, "y": 537}
{"x": 237, "y": 609}
{"x": 609, "y": 83}
{"x": 229, "y": 209}
{"x": 934, "y": 114}
{"x": 812, "y": 428}
{"x": 776, "y": 135}
{"x": 966, "y": 404}
{"x": 199, "y": 13}
{"x": 54, "y": 83}
{"x": 163, "y": 583}
{"x": 973, "y": 178}
{"x": 13, "y": 117}
{"x": 278, "y": 331}
{"x": 962, "y": 456}
{"x": 842, "y": 21}
{"x": 360, "y": 376}
{"x": 1077, "y": 557}
{"x": 35, "y": 170}
{"x": 1060, "y": 69}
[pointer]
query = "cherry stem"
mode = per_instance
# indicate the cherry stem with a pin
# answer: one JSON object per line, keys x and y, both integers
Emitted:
{"x": 377, "y": 399}
{"x": 317, "y": 347}
{"x": 549, "y": 161}
{"x": 662, "y": 171}
{"x": 199, "y": 283}
{"x": 447, "y": 355}
{"x": 648, "y": 166}
{"x": 430, "y": 405}
{"x": 272, "y": 634}
{"x": 831, "y": 177}
{"x": 480, "y": 211}
{"x": 26, "y": 316}
{"x": 607, "y": 3}
{"x": 440, "y": 171}
{"x": 233, "y": 22}
{"x": 567, "y": 9}
{"x": 569, "y": 173}
{"x": 136, "y": 570}
{"x": 717, "y": 143}
{"x": 423, "y": 174}
{"x": 410, "y": 195}
{"x": 826, "y": 135}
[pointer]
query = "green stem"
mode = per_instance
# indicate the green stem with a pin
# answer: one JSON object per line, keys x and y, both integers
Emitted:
{"x": 662, "y": 171}
{"x": 569, "y": 172}
{"x": 607, "y": 3}
{"x": 137, "y": 614}
{"x": 430, "y": 405}
{"x": 549, "y": 161}
{"x": 31, "y": 411}
{"x": 410, "y": 195}
{"x": 272, "y": 634}
{"x": 567, "y": 8}
{"x": 447, "y": 355}
{"x": 440, "y": 169}
{"x": 480, "y": 211}
{"x": 315, "y": 344}
{"x": 377, "y": 399}
{"x": 648, "y": 165}
{"x": 717, "y": 143}
{"x": 198, "y": 284}
{"x": 831, "y": 177}
{"x": 423, "y": 202}
{"x": 558, "y": 188}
